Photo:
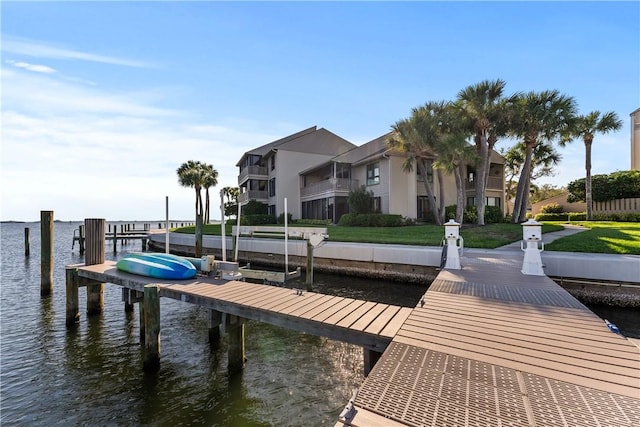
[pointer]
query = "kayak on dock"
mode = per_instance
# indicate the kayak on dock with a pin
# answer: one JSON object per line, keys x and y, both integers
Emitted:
{"x": 157, "y": 265}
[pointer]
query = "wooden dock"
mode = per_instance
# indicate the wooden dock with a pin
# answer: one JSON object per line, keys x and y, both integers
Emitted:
{"x": 493, "y": 347}
{"x": 363, "y": 323}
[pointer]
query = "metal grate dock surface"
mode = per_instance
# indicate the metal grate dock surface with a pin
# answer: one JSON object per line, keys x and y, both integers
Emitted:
{"x": 421, "y": 387}
{"x": 493, "y": 347}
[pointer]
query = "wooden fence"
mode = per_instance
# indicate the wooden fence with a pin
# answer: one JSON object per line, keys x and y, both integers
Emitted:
{"x": 617, "y": 206}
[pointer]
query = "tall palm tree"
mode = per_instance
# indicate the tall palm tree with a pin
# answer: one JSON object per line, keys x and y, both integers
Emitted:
{"x": 539, "y": 116}
{"x": 415, "y": 137}
{"x": 193, "y": 174}
{"x": 210, "y": 179}
{"x": 453, "y": 153}
{"x": 586, "y": 127}
{"x": 545, "y": 157}
{"x": 482, "y": 107}
{"x": 231, "y": 193}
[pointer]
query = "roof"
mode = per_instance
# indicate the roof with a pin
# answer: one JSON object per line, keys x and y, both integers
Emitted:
{"x": 311, "y": 140}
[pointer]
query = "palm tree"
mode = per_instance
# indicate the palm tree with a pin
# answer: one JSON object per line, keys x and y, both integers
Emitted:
{"x": 545, "y": 157}
{"x": 195, "y": 174}
{"x": 484, "y": 110}
{"x": 231, "y": 206}
{"x": 539, "y": 116}
{"x": 586, "y": 127}
{"x": 415, "y": 136}
{"x": 210, "y": 179}
{"x": 453, "y": 153}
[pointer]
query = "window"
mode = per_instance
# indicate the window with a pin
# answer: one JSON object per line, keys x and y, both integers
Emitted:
{"x": 428, "y": 164}
{"x": 272, "y": 160}
{"x": 272, "y": 210}
{"x": 488, "y": 201}
{"x": 377, "y": 204}
{"x": 272, "y": 187}
{"x": 373, "y": 174}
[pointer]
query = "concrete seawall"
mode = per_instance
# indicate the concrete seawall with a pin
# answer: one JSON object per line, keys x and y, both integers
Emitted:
{"x": 619, "y": 274}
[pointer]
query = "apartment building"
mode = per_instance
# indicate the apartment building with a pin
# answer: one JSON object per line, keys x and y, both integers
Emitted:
{"x": 317, "y": 185}
{"x": 270, "y": 172}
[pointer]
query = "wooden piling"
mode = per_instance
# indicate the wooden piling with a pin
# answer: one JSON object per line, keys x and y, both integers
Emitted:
{"x": 95, "y": 241}
{"x": 309, "y": 275}
{"x": 27, "y": 249}
{"x": 215, "y": 320}
{"x": 115, "y": 240}
{"x": 46, "y": 252}
{"x": 236, "y": 352}
{"x": 151, "y": 302}
{"x": 81, "y": 238}
{"x": 73, "y": 309}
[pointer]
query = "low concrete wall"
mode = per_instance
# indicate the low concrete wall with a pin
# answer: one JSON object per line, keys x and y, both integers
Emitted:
{"x": 404, "y": 261}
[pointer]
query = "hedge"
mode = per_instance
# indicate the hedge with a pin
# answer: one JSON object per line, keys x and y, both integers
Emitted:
{"x": 552, "y": 217}
{"x": 257, "y": 219}
{"x": 371, "y": 220}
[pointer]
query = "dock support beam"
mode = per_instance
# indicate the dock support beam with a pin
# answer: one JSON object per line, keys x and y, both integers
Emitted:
{"x": 46, "y": 252}
{"x": 73, "y": 314}
{"x": 151, "y": 302}
{"x": 309, "y": 275}
{"x": 95, "y": 254}
{"x": 215, "y": 320}
{"x": 236, "y": 354}
{"x": 371, "y": 357}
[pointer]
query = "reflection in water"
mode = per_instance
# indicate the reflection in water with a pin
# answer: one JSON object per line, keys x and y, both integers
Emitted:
{"x": 91, "y": 374}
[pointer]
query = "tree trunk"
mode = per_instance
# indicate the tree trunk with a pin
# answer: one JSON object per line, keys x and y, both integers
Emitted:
{"x": 441, "y": 195}
{"x": 432, "y": 200}
{"x": 207, "y": 211}
{"x": 480, "y": 178}
{"x": 587, "y": 181}
{"x": 460, "y": 194}
{"x": 522, "y": 194}
{"x": 198, "y": 248}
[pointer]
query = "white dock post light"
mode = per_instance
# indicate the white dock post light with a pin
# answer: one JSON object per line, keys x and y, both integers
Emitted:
{"x": 452, "y": 234}
{"x": 532, "y": 234}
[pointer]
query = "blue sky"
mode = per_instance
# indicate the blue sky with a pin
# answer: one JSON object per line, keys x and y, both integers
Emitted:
{"x": 102, "y": 101}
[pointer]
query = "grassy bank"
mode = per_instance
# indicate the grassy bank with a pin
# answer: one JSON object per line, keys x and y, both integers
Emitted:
{"x": 488, "y": 237}
{"x": 602, "y": 237}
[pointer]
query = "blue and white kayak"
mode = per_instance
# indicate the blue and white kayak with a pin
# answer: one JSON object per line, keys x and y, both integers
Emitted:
{"x": 157, "y": 265}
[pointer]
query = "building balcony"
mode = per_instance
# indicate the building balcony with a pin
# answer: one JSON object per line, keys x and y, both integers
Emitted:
{"x": 338, "y": 185}
{"x": 260, "y": 196}
{"x": 255, "y": 172}
{"x": 495, "y": 183}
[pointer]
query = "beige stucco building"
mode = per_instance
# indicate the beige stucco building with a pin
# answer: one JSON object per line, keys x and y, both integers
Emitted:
{"x": 317, "y": 185}
{"x": 635, "y": 140}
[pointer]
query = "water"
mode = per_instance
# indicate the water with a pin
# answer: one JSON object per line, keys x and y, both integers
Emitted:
{"x": 93, "y": 374}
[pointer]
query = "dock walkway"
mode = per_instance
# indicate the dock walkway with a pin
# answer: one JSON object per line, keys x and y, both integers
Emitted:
{"x": 363, "y": 323}
{"x": 493, "y": 347}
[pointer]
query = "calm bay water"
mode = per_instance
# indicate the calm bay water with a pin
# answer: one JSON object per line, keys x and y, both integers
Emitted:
{"x": 93, "y": 374}
{"x": 50, "y": 375}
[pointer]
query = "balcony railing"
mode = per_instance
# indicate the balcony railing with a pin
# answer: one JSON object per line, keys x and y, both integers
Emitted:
{"x": 495, "y": 183}
{"x": 252, "y": 170}
{"x": 329, "y": 185}
{"x": 252, "y": 195}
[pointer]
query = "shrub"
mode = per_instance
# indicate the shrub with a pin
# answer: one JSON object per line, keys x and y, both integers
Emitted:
{"x": 255, "y": 208}
{"x": 621, "y": 217}
{"x": 289, "y": 218}
{"x": 371, "y": 220}
{"x": 450, "y": 212}
{"x": 604, "y": 187}
{"x": 552, "y": 217}
{"x": 257, "y": 219}
{"x": 470, "y": 215}
{"x": 493, "y": 215}
{"x": 313, "y": 221}
{"x": 552, "y": 208}
{"x": 360, "y": 201}
{"x": 577, "y": 216}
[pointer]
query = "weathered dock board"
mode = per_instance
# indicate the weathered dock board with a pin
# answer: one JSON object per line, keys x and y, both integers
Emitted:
{"x": 493, "y": 347}
{"x": 366, "y": 324}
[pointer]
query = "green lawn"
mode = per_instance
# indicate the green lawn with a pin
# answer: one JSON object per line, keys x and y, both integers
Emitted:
{"x": 602, "y": 237}
{"x": 488, "y": 237}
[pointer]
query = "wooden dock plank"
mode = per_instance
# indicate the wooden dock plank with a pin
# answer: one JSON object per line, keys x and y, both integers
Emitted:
{"x": 396, "y": 323}
{"x": 381, "y": 321}
{"x": 339, "y": 315}
{"x": 319, "y": 308}
{"x": 321, "y": 317}
{"x": 352, "y": 317}
{"x": 305, "y": 301}
{"x": 368, "y": 317}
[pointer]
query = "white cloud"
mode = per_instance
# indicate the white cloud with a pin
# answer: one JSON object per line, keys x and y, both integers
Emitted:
{"x": 86, "y": 152}
{"x": 31, "y": 67}
{"x": 33, "y": 48}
